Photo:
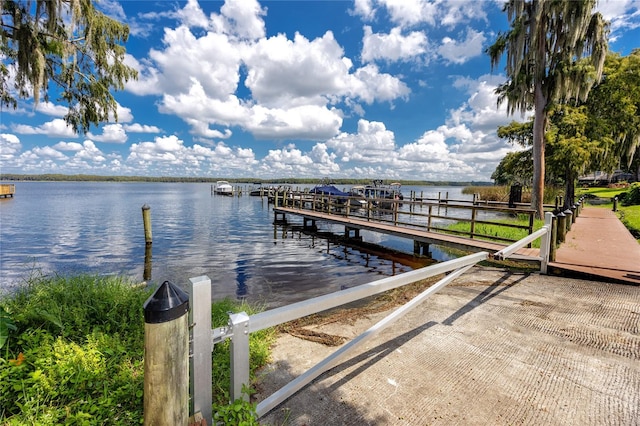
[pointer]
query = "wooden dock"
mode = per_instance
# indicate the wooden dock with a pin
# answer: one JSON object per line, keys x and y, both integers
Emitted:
{"x": 422, "y": 238}
{"x": 7, "y": 190}
{"x": 598, "y": 246}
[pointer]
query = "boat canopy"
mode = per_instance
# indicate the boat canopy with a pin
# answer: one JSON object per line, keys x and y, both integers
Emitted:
{"x": 328, "y": 190}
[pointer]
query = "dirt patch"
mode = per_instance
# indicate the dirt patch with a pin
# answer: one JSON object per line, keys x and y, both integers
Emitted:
{"x": 301, "y": 328}
{"x": 306, "y": 327}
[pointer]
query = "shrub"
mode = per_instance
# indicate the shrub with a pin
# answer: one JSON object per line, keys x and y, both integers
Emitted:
{"x": 632, "y": 196}
{"x": 74, "y": 351}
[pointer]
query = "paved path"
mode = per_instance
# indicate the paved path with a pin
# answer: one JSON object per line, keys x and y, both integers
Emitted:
{"x": 599, "y": 246}
{"x": 493, "y": 347}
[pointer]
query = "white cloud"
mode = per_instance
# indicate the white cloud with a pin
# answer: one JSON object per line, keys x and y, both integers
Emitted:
{"x": 192, "y": 15}
{"x": 290, "y": 161}
{"x": 459, "y": 52}
{"x": 364, "y": 9}
{"x": 373, "y": 143}
{"x": 10, "y": 146}
{"x": 448, "y": 13}
{"x": 169, "y": 154}
{"x": 49, "y": 108}
{"x": 124, "y": 114}
{"x": 54, "y": 128}
{"x": 68, "y": 146}
{"x": 111, "y": 133}
{"x": 622, "y": 14}
{"x": 48, "y": 152}
{"x": 141, "y": 128}
{"x": 393, "y": 46}
{"x": 370, "y": 85}
{"x": 411, "y": 12}
{"x": 244, "y": 18}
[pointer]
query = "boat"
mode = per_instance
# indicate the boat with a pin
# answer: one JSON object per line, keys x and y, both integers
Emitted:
{"x": 266, "y": 190}
{"x": 223, "y": 188}
{"x": 325, "y": 188}
{"x": 377, "y": 191}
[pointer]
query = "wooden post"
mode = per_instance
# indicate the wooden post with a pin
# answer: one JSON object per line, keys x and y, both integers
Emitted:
{"x": 146, "y": 274}
{"x": 166, "y": 357}
{"x": 554, "y": 239}
{"x": 615, "y": 204}
{"x": 146, "y": 220}
{"x": 473, "y": 221}
{"x": 395, "y": 212}
{"x": 569, "y": 215}
{"x": 562, "y": 227}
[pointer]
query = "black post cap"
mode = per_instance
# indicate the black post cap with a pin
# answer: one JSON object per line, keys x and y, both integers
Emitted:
{"x": 167, "y": 303}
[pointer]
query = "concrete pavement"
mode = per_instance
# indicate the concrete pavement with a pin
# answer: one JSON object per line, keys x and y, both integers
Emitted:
{"x": 494, "y": 347}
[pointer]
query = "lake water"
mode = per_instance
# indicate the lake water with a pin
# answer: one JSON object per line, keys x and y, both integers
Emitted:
{"x": 97, "y": 228}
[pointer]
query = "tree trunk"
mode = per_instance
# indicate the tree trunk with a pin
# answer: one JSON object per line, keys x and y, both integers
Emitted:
{"x": 539, "y": 123}
{"x": 569, "y": 188}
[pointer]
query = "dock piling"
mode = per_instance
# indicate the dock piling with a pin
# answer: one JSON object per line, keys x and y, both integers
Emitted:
{"x": 166, "y": 357}
{"x": 146, "y": 220}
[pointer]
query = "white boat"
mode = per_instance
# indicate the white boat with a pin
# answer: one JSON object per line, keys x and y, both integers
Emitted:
{"x": 223, "y": 188}
{"x": 379, "y": 192}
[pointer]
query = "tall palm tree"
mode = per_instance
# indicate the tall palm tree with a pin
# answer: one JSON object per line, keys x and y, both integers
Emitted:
{"x": 544, "y": 45}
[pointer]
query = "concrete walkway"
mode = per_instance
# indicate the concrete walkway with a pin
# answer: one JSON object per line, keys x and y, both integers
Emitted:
{"x": 494, "y": 347}
{"x": 599, "y": 246}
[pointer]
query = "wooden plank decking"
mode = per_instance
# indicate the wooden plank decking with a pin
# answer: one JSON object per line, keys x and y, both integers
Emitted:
{"x": 599, "y": 246}
{"x": 413, "y": 233}
{"x": 7, "y": 190}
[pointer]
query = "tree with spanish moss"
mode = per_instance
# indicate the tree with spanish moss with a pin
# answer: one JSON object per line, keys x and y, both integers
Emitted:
{"x": 68, "y": 44}
{"x": 544, "y": 46}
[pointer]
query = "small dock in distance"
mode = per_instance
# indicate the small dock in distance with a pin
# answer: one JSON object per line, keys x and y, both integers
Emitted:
{"x": 7, "y": 190}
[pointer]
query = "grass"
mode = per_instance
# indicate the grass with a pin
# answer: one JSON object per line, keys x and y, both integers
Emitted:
{"x": 629, "y": 215}
{"x": 600, "y": 192}
{"x": 501, "y": 193}
{"x": 497, "y": 232}
{"x": 72, "y": 351}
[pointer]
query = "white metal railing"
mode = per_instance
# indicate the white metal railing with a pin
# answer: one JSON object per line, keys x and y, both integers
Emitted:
{"x": 543, "y": 233}
{"x": 241, "y": 325}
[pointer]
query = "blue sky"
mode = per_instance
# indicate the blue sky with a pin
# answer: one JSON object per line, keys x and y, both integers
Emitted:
{"x": 389, "y": 89}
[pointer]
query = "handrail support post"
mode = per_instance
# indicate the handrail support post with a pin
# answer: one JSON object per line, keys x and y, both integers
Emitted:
{"x": 200, "y": 365}
{"x": 545, "y": 242}
{"x": 239, "y": 324}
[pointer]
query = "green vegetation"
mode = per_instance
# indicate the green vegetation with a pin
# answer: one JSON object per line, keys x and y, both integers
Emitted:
{"x": 601, "y": 133}
{"x": 70, "y": 45}
{"x": 501, "y": 193}
{"x": 72, "y": 352}
{"x": 628, "y": 207}
{"x": 493, "y": 232}
{"x": 630, "y": 217}
{"x": 555, "y": 50}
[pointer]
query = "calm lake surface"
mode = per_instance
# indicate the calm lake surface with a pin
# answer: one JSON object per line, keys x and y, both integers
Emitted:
{"x": 96, "y": 228}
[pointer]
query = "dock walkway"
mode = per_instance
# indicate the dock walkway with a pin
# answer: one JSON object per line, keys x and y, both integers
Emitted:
{"x": 416, "y": 234}
{"x": 598, "y": 246}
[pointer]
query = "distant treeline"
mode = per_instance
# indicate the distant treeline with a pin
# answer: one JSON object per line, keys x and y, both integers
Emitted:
{"x": 279, "y": 181}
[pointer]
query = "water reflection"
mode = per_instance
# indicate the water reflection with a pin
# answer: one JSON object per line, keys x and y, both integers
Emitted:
{"x": 97, "y": 228}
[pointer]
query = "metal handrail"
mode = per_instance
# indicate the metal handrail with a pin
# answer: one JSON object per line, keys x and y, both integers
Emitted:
{"x": 241, "y": 325}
